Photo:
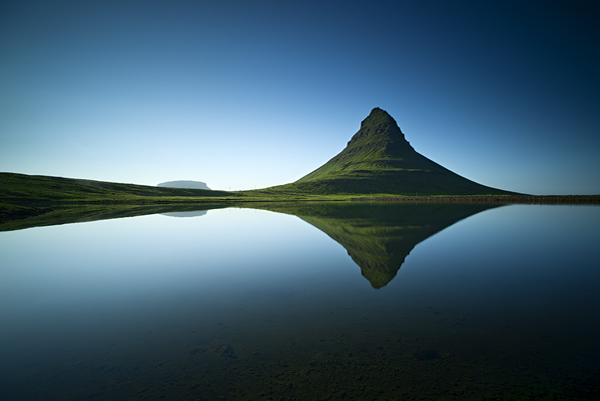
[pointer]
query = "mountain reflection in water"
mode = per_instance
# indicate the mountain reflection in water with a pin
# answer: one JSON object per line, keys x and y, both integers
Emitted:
{"x": 379, "y": 236}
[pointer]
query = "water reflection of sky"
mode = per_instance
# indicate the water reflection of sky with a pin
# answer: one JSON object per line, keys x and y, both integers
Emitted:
{"x": 124, "y": 257}
{"x": 510, "y": 254}
{"x": 534, "y": 259}
{"x": 67, "y": 290}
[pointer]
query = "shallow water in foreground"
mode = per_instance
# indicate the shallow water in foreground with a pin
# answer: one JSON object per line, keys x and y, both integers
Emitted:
{"x": 380, "y": 302}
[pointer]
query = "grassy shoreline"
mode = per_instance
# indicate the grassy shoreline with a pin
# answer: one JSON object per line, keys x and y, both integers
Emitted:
{"x": 31, "y": 197}
{"x": 493, "y": 199}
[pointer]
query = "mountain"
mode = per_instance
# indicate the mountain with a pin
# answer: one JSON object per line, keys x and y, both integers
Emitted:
{"x": 379, "y": 160}
{"x": 184, "y": 184}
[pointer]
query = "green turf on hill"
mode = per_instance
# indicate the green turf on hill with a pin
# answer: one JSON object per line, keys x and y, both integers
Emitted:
{"x": 379, "y": 160}
{"x": 21, "y": 189}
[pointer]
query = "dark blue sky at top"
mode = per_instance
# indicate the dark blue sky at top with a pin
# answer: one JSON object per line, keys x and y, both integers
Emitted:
{"x": 252, "y": 94}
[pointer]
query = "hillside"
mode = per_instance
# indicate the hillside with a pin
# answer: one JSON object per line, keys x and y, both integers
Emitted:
{"x": 21, "y": 189}
{"x": 379, "y": 160}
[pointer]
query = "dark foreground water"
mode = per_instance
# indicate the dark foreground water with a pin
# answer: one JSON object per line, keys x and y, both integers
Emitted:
{"x": 373, "y": 302}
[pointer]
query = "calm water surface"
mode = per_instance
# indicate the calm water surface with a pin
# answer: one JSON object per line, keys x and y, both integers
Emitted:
{"x": 366, "y": 302}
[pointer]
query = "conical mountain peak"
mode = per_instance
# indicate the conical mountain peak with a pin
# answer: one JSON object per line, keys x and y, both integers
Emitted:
{"x": 379, "y": 127}
{"x": 379, "y": 160}
{"x": 376, "y": 117}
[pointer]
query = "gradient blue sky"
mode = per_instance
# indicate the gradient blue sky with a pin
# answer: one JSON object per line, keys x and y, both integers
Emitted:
{"x": 250, "y": 94}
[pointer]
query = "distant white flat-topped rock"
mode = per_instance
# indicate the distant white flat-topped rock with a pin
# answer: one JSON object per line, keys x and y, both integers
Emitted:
{"x": 184, "y": 184}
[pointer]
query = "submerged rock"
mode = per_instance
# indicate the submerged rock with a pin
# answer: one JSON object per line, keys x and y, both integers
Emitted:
{"x": 222, "y": 349}
{"x": 426, "y": 354}
{"x": 197, "y": 350}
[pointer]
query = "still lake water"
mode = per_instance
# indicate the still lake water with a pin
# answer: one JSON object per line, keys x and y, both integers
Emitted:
{"x": 362, "y": 302}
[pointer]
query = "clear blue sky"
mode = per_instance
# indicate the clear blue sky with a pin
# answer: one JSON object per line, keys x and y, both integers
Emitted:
{"x": 251, "y": 94}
